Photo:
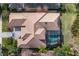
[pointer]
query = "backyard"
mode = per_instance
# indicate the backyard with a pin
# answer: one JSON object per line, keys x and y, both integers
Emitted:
{"x": 68, "y": 18}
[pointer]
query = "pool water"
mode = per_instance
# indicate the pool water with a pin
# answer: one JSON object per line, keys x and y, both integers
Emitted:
{"x": 52, "y": 37}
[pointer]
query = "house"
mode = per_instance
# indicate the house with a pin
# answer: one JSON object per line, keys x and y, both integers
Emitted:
{"x": 37, "y": 29}
{"x": 33, "y": 27}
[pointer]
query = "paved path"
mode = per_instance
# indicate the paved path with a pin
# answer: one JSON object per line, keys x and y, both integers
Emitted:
{"x": 5, "y": 34}
{"x": 9, "y": 34}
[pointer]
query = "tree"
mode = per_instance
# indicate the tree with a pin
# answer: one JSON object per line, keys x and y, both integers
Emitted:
{"x": 62, "y": 8}
{"x": 70, "y": 8}
{"x": 5, "y": 11}
{"x": 77, "y": 6}
{"x": 5, "y": 6}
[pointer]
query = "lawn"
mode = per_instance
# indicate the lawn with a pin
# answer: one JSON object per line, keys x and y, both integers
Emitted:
{"x": 5, "y": 19}
{"x": 68, "y": 17}
{"x": 67, "y": 20}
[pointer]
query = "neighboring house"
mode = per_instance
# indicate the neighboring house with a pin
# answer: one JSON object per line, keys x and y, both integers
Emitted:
{"x": 33, "y": 6}
{"x": 37, "y": 29}
{"x": 15, "y": 6}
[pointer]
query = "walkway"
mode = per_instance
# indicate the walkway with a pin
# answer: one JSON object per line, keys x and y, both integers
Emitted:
{"x": 5, "y": 34}
{"x": 15, "y": 35}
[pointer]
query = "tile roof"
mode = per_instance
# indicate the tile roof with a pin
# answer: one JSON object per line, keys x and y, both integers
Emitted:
{"x": 39, "y": 31}
{"x": 17, "y": 22}
{"x": 50, "y": 17}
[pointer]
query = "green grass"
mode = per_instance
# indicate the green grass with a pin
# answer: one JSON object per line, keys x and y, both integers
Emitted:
{"x": 5, "y": 26}
{"x": 5, "y": 20}
{"x": 67, "y": 21}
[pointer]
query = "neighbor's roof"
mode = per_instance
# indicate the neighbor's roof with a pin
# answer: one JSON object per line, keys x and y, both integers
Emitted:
{"x": 50, "y": 17}
{"x": 34, "y": 5}
{"x": 49, "y": 5}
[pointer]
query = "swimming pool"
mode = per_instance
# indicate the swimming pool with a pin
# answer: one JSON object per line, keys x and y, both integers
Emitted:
{"x": 52, "y": 37}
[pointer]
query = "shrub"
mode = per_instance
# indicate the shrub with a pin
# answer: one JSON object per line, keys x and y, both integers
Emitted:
{"x": 9, "y": 46}
{"x": 75, "y": 28}
{"x": 42, "y": 50}
{"x": 70, "y": 8}
{"x": 63, "y": 51}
